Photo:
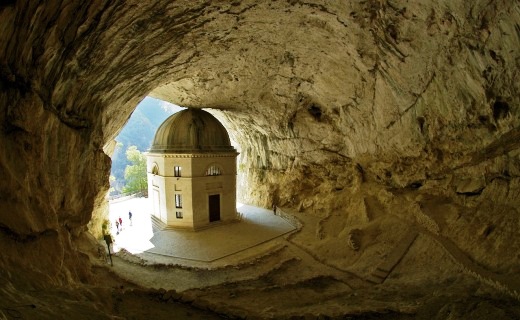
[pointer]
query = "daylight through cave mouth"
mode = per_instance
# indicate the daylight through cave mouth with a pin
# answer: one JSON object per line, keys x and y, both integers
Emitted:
{"x": 138, "y": 231}
{"x": 139, "y": 131}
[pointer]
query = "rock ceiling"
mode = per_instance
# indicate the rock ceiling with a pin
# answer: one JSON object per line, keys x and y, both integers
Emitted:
{"x": 325, "y": 98}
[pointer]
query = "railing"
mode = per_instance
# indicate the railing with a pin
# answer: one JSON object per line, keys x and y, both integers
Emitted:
{"x": 128, "y": 195}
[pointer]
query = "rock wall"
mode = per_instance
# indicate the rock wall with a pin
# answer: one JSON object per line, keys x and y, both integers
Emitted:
{"x": 419, "y": 100}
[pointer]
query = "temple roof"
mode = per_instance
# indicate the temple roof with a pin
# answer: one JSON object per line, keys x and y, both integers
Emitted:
{"x": 191, "y": 130}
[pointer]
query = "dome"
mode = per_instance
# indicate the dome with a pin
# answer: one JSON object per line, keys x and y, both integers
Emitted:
{"x": 191, "y": 130}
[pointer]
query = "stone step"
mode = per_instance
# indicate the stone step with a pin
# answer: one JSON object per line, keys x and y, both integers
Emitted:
{"x": 157, "y": 224}
{"x": 384, "y": 269}
{"x": 397, "y": 254}
{"x": 380, "y": 274}
{"x": 374, "y": 280}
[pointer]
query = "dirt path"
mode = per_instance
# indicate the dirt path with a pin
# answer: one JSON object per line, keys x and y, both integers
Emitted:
{"x": 323, "y": 268}
{"x": 173, "y": 277}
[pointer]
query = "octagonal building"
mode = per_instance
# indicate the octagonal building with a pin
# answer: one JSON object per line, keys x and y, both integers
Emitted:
{"x": 192, "y": 171}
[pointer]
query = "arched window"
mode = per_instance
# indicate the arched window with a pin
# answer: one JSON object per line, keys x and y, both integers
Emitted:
{"x": 213, "y": 170}
{"x": 155, "y": 169}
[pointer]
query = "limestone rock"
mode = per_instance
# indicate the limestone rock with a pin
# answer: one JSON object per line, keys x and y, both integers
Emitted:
{"x": 471, "y": 185}
{"x": 354, "y": 239}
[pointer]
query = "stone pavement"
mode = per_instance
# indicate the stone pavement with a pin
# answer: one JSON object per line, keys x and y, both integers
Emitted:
{"x": 258, "y": 226}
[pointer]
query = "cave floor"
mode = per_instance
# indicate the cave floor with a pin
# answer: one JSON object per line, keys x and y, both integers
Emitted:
{"x": 289, "y": 275}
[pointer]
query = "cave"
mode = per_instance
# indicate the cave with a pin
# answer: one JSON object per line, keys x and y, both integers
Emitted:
{"x": 367, "y": 123}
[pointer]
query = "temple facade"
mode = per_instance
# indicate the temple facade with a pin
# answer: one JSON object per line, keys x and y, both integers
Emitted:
{"x": 192, "y": 171}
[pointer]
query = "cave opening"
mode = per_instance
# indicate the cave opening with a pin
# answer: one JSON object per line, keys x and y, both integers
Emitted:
{"x": 137, "y": 132}
{"x": 188, "y": 142}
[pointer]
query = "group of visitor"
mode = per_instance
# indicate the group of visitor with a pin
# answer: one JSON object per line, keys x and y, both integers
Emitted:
{"x": 108, "y": 238}
{"x": 119, "y": 222}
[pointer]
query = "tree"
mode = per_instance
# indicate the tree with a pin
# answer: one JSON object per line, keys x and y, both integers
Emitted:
{"x": 139, "y": 131}
{"x": 112, "y": 181}
{"x": 135, "y": 174}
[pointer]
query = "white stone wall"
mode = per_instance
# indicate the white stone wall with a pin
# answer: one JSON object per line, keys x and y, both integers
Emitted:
{"x": 194, "y": 187}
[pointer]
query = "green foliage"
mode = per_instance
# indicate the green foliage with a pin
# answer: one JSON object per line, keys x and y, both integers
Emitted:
{"x": 135, "y": 174}
{"x": 139, "y": 131}
{"x": 112, "y": 181}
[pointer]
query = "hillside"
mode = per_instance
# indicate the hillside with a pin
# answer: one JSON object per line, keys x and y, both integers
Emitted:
{"x": 138, "y": 131}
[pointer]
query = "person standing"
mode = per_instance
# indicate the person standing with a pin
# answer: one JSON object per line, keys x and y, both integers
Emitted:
{"x": 130, "y": 217}
{"x": 109, "y": 241}
{"x": 121, "y": 223}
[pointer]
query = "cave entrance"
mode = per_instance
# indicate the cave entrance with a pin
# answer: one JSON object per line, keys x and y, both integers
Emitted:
{"x": 153, "y": 234}
{"x": 128, "y": 171}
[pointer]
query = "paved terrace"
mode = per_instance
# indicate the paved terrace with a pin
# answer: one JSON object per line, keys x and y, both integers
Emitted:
{"x": 258, "y": 226}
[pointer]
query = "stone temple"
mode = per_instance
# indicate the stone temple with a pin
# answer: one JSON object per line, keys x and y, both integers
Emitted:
{"x": 192, "y": 171}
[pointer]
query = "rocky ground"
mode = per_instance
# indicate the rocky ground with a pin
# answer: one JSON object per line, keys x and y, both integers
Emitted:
{"x": 311, "y": 275}
{"x": 318, "y": 272}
